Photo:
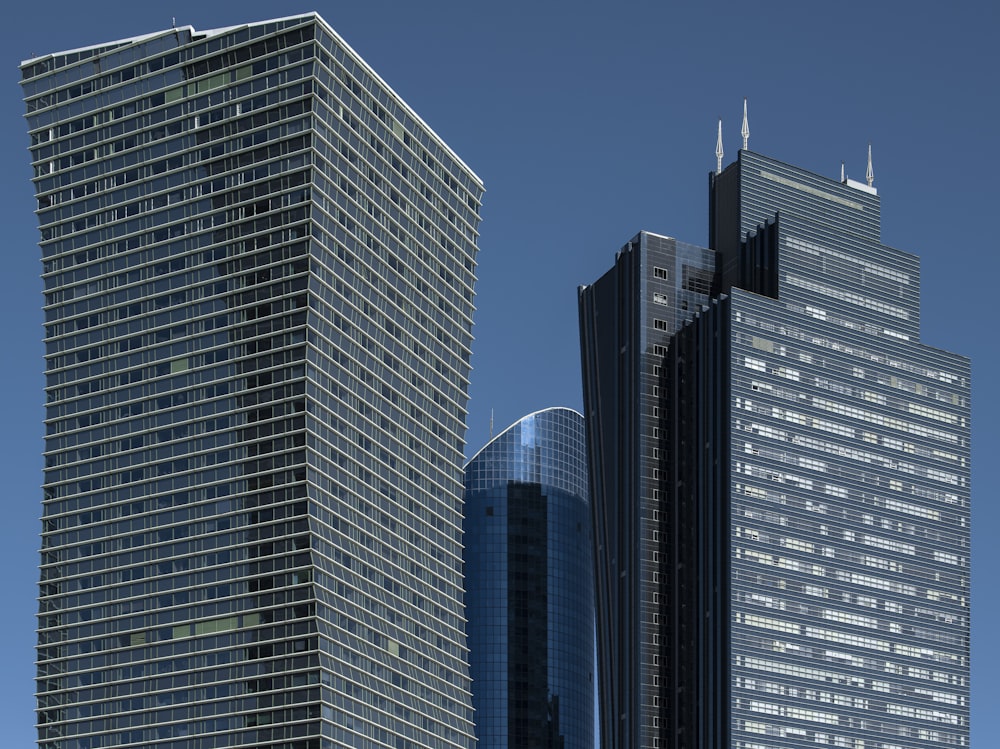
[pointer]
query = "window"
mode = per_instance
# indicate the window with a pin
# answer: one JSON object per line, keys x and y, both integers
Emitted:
{"x": 698, "y": 280}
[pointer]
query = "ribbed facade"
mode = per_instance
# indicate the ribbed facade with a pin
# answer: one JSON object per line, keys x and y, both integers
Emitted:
{"x": 259, "y": 268}
{"x": 530, "y": 605}
{"x": 626, "y": 321}
{"x": 814, "y": 460}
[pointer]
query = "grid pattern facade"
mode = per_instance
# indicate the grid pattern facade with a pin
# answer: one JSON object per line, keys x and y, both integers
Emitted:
{"x": 259, "y": 268}
{"x": 627, "y": 318}
{"x": 849, "y": 450}
{"x": 530, "y": 607}
{"x": 813, "y": 484}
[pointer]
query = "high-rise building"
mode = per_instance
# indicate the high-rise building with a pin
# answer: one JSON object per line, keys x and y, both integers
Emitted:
{"x": 528, "y": 571}
{"x": 258, "y": 268}
{"x": 627, "y": 317}
{"x": 780, "y": 485}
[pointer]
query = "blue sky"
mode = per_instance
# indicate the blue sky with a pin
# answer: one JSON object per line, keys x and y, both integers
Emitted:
{"x": 589, "y": 121}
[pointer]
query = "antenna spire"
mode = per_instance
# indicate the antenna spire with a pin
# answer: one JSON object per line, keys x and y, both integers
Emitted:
{"x": 843, "y": 174}
{"x": 491, "y": 423}
{"x": 719, "y": 153}
{"x": 745, "y": 132}
{"x": 870, "y": 174}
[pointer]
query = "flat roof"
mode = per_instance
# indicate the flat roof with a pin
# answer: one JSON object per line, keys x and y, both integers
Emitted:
{"x": 311, "y": 15}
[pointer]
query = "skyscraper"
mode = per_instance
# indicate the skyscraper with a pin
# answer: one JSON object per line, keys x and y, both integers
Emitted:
{"x": 627, "y": 317}
{"x": 797, "y": 462}
{"x": 259, "y": 268}
{"x": 528, "y": 571}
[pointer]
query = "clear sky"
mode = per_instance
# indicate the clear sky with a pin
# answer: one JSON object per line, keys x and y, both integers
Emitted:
{"x": 589, "y": 121}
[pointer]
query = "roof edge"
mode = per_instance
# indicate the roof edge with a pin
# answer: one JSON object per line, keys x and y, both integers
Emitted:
{"x": 514, "y": 424}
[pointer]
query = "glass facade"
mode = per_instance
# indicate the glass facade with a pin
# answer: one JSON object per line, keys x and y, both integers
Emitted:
{"x": 814, "y": 464}
{"x": 849, "y": 489}
{"x": 627, "y": 319}
{"x": 528, "y": 570}
{"x": 259, "y": 267}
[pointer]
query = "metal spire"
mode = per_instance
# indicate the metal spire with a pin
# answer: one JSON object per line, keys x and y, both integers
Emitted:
{"x": 843, "y": 174}
{"x": 745, "y": 132}
{"x": 870, "y": 175}
{"x": 718, "y": 150}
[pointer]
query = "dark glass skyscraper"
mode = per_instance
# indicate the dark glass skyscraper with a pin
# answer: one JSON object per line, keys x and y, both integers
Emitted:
{"x": 627, "y": 318}
{"x": 803, "y": 474}
{"x": 259, "y": 268}
{"x": 528, "y": 571}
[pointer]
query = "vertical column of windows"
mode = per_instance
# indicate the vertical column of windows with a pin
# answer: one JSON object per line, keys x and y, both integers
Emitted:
{"x": 258, "y": 321}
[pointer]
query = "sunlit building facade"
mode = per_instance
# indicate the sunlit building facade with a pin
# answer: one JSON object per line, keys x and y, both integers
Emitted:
{"x": 528, "y": 571}
{"x": 259, "y": 266}
{"x": 809, "y": 466}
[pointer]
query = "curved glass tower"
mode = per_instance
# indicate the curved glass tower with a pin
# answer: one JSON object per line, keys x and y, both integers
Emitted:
{"x": 528, "y": 572}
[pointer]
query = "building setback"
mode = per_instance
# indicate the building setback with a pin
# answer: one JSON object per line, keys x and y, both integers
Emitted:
{"x": 780, "y": 485}
{"x": 530, "y": 602}
{"x": 259, "y": 267}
